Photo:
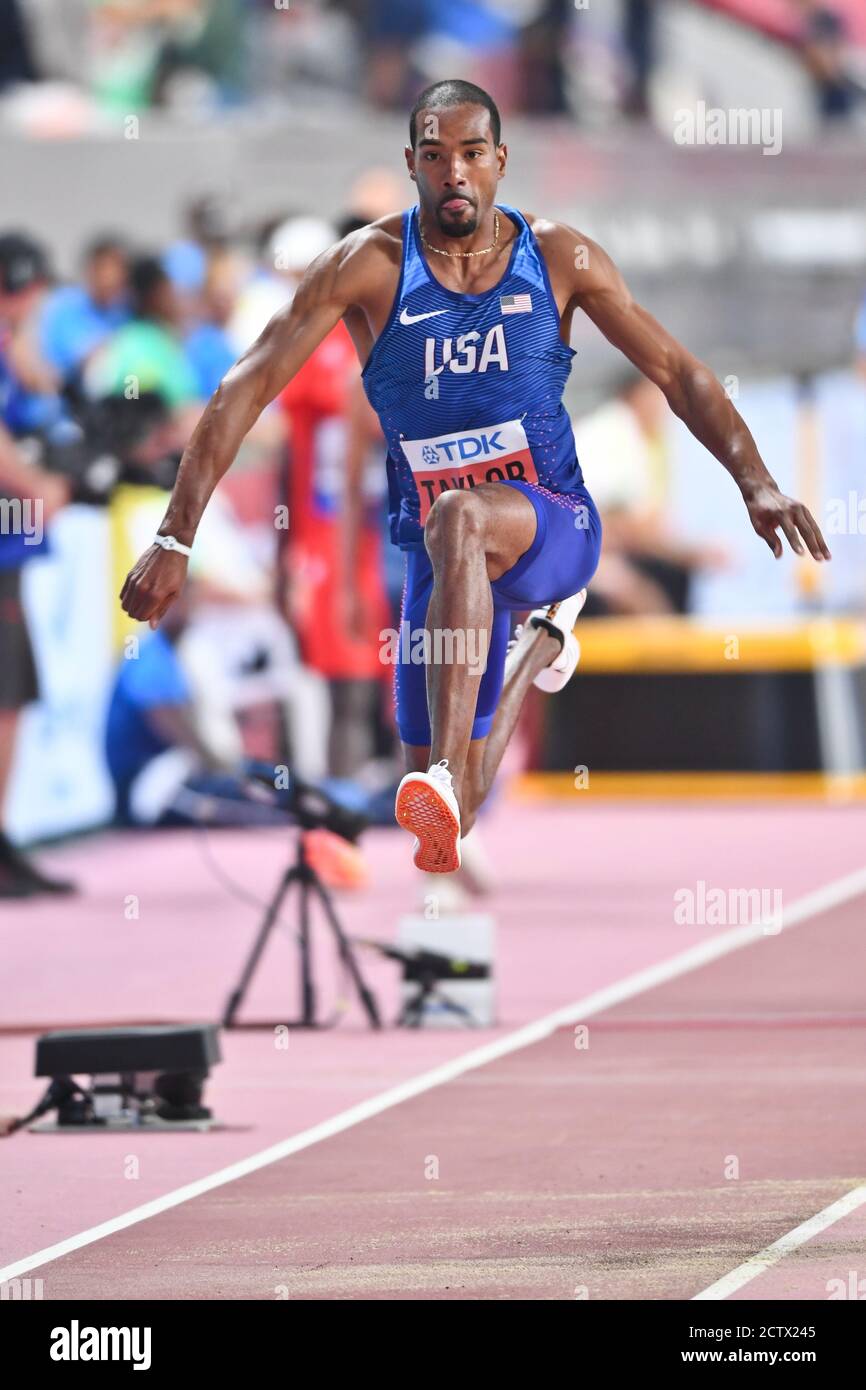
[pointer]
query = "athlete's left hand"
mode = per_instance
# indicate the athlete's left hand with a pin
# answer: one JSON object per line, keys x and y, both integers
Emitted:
{"x": 770, "y": 510}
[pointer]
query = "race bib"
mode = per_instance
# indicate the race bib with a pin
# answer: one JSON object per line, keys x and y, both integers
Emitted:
{"x": 464, "y": 459}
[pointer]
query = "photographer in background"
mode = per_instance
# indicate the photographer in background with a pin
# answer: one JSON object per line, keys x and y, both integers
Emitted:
{"x": 29, "y": 498}
{"x": 166, "y": 768}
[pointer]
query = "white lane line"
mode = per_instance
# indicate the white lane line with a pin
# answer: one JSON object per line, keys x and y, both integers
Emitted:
{"x": 772, "y": 1254}
{"x": 811, "y": 905}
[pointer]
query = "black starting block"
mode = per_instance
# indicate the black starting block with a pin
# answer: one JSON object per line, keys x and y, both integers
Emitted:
{"x": 140, "y": 1078}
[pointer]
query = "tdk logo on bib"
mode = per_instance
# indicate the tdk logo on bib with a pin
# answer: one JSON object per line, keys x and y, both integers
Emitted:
{"x": 469, "y": 446}
{"x": 464, "y": 459}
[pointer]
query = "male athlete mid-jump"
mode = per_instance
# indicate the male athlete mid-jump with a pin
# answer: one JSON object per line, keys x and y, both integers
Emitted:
{"x": 460, "y": 310}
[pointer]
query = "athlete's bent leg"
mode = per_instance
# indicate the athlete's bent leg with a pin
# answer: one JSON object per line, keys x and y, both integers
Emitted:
{"x": 485, "y": 754}
{"x": 529, "y": 657}
{"x": 524, "y": 663}
{"x": 527, "y": 660}
{"x": 472, "y": 537}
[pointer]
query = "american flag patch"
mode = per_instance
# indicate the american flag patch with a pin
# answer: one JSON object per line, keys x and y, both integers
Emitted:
{"x": 515, "y": 303}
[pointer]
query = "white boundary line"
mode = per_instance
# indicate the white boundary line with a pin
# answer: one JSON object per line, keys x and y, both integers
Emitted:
{"x": 830, "y": 895}
{"x": 772, "y": 1254}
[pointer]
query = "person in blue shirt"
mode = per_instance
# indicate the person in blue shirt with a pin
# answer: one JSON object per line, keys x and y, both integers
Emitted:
{"x": 210, "y": 354}
{"x": 163, "y": 770}
{"x": 150, "y": 712}
{"x": 208, "y": 346}
{"x": 74, "y": 319}
{"x": 166, "y": 775}
{"x": 27, "y": 405}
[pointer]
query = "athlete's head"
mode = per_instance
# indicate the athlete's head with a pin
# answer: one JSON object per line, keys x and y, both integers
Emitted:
{"x": 455, "y": 154}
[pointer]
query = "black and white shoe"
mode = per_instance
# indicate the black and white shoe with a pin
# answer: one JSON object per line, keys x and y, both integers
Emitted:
{"x": 559, "y": 619}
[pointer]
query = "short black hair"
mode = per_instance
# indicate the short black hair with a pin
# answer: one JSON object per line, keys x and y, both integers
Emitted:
{"x": 146, "y": 274}
{"x": 23, "y": 262}
{"x": 455, "y": 92}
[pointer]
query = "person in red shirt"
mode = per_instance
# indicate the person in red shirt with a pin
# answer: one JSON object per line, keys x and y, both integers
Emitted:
{"x": 342, "y": 642}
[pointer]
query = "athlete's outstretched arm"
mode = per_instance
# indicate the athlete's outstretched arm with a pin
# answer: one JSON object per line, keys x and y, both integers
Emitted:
{"x": 257, "y": 377}
{"x": 693, "y": 393}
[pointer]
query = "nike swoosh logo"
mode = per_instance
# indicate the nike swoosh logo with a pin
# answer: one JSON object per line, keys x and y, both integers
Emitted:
{"x": 406, "y": 318}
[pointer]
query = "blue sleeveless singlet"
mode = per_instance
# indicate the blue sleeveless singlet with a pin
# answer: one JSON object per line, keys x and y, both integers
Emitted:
{"x": 468, "y": 387}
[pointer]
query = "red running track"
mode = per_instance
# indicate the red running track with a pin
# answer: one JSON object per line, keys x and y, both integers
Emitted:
{"x": 706, "y": 1118}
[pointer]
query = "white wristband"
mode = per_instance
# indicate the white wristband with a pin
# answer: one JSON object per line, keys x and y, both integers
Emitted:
{"x": 169, "y": 543}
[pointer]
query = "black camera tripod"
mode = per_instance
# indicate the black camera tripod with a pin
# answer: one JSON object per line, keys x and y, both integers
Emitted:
{"x": 303, "y": 873}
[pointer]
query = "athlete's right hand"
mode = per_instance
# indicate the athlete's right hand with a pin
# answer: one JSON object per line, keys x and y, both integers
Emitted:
{"x": 153, "y": 584}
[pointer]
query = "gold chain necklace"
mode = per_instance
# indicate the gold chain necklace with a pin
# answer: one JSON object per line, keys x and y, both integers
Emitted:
{"x": 463, "y": 255}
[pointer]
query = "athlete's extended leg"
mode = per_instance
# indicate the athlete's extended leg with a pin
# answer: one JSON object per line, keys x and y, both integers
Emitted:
{"x": 472, "y": 538}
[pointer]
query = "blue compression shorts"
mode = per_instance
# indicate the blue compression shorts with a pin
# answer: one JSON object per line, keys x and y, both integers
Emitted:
{"x": 561, "y": 560}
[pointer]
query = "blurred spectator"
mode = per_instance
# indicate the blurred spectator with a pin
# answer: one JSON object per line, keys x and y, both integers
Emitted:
{"x": 318, "y": 402}
{"x": 208, "y": 344}
{"x": 16, "y": 62}
{"x": 284, "y": 256}
{"x": 125, "y": 46}
{"x": 185, "y": 264}
{"x": 24, "y": 277}
{"x": 75, "y": 319}
{"x": 390, "y": 32}
{"x": 166, "y": 768}
{"x": 305, "y": 46}
{"x": 207, "y": 236}
{"x": 543, "y": 42}
{"x": 143, "y": 52}
{"x": 30, "y": 400}
{"x": 540, "y": 56}
{"x": 147, "y": 353}
{"x": 639, "y": 37}
{"x": 206, "y": 274}
{"x": 377, "y": 192}
{"x": 193, "y": 55}
{"x": 29, "y": 500}
{"x": 823, "y": 48}
{"x": 58, "y": 35}
{"x": 236, "y": 649}
{"x": 207, "y": 222}
{"x": 645, "y": 566}
{"x": 150, "y": 711}
{"x": 209, "y": 41}
{"x": 413, "y": 41}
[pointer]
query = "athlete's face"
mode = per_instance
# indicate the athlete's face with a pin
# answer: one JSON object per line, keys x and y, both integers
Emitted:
{"x": 456, "y": 166}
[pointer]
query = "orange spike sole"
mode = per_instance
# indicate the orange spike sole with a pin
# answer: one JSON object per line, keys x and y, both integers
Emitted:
{"x": 421, "y": 809}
